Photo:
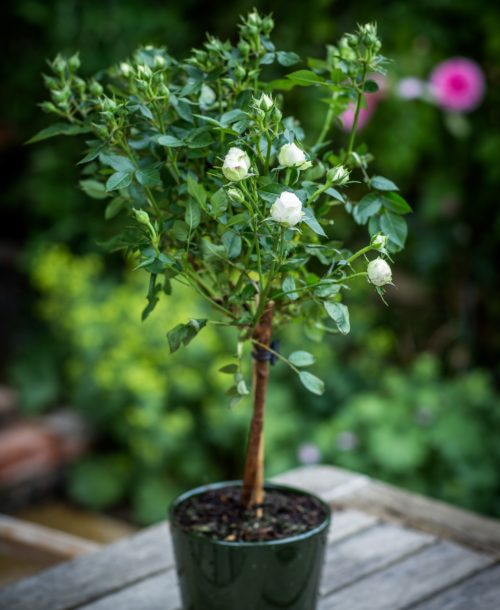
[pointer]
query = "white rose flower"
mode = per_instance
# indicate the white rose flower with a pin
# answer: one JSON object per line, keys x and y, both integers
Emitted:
{"x": 287, "y": 209}
{"x": 236, "y": 164}
{"x": 379, "y": 272}
{"x": 207, "y": 96}
{"x": 291, "y": 155}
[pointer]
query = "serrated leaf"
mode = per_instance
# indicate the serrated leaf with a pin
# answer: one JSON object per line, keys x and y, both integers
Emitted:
{"x": 169, "y": 141}
{"x": 312, "y": 383}
{"x": 395, "y": 203}
{"x": 94, "y": 189}
{"x": 114, "y": 207}
{"x": 118, "y": 162}
{"x": 312, "y": 223}
{"x": 301, "y": 358}
{"x": 196, "y": 190}
{"x": 383, "y": 184}
{"x": 304, "y": 78}
{"x": 58, "y": 129}
{"x": 180, "y": 230}
{"x": 119, "y": 180}
{"x": 183, "y": 334}
{"x": 287, "y": 58}
{"x": 368, "y": 206}
{"x": 218, "y": 203}
{"x": 148, "y": 177}
{"x": 288, "y": 287}
{"x": 394, "y": 227}
{"x": 271, "y": 191}
{"x": 371, "y": 86}
{"x": 339, "y": 313}
{"x": 193, "y": 214}
{"x": 232, "y": 243}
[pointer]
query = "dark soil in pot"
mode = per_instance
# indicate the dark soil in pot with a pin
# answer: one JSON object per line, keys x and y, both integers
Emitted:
{"x": 218, "y": 515}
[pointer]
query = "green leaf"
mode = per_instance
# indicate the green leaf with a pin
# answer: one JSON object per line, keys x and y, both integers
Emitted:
{"x": 229, "y": 369}
{"x": 312, "y": 223}
{"x": 118, "y": 162}
{"x": 119, "y": 180}
{"x": 94, "y": 189}
{"x": 395, "y": 203}
{"x": 328, "y": 288}
{"x": 114, "y": 207}
{"x": 268, "y": 58}
{"x": 169, "y": 141}
{"x": 193, "y": 214}
{"x": 196, "y": 190}
{"x": 301, "y": 358}
{"x": 304, "y": 78}
{"x": 218, "y": 203}
{"x": 383, "y": 184}
{"x": 368, "y": 206}
{"x": 232, "y": 243}
{"x": 58, "y": 129}
{"x": 183, "y": 334}
{"x": 152, "y": 296}
{"x": 180, "y": 230}
{"x": 287, "y": 58}
{"x": 148, "y": 177}
{"x": 93, "y": 153}
{"x": 228, "y": 118}
{"x": 371, "y": 86}
{"x": 199, "y": 138}
{"x": 288, "y": 286}
{"x": 395, "y": 228}
{"x": 312, "y": 383}
{"x": 339, "y": 313}
{"x": 271, "y": 191}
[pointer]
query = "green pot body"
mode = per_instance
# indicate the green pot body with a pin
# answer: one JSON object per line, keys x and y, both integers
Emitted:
{"x": 219, "y": 575}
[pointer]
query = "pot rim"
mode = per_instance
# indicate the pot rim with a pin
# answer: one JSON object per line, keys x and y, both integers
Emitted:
{"x": 248, "y": 544}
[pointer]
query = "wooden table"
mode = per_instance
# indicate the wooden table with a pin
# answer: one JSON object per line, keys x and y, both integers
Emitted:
{"x": 388, "y": 549}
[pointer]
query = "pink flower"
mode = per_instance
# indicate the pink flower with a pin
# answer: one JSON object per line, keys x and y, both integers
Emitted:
{"x": 365, "y": 113}
{"x": 457, "y": 84}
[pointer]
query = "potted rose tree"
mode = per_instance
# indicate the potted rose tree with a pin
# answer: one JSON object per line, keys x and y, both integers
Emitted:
{"x": 225, "y": 194}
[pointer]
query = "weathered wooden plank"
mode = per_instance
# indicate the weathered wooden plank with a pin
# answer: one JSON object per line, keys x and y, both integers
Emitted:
{"x": 82, "y": 580}
{"x": 409, "y": 581}
{"x": 480, "y": 592}
{"x": 433, "y": 516}
{"x": 347, "y": 523}
{"x": 157, "y": 593}
{"x": 322, "y": 480}
{"x": 33, "y": 541}
{"x": 368, "y": 551}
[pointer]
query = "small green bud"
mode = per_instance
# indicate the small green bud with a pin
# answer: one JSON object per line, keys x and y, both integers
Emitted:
{"x": 74, "y": 62}
{"x": 159, "y": 61}
{"x": 267, "y": 25}
{"x": 59, "y": 64}
{"x": 244, "y": 48}
{"x": 236, "y": 195}
{"x": 48, "y": 107}
{"x": 95, "y": 88}
{"x": 239, "y": 72}
{"x": 338, "y": 175}
{"x": 265, "y": 102}
{"x": 142, "y": 217}
{"x": 163, "y": 90}
{"x": 125, "y": 69}
{"x": 379, "y": 242}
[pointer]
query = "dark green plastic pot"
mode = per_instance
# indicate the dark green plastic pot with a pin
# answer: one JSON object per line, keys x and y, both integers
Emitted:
{"x": 220, "y": 575}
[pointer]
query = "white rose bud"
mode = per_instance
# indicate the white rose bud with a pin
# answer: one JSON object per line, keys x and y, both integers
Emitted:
{"x": 125, "y": 69}
{"x": 265, "y": 102}
{"x": 207, "y": 96}
{"x": 159, "y": 61}
{"x": 379, "y": 272}
{"x": 338, "y": 175}
{"x": 287, "y": 209}
{"x": 291, "y": 155}
{"x": 379, "y": 241}
{"x": 236, "y": 164}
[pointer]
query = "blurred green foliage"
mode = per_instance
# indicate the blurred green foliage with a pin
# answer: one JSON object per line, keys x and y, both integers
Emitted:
{"x": 408, "y": 396}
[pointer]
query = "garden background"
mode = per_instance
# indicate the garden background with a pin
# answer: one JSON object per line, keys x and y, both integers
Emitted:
{"x": 412, "y": 393}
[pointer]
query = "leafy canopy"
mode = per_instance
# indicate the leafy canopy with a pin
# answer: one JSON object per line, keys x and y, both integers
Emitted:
{"x": 162, "y": 135}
